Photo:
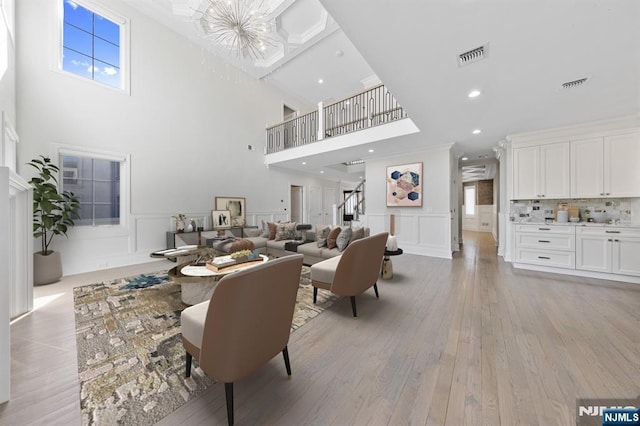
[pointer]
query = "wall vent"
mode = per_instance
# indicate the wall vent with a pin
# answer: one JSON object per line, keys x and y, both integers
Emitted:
{"x": 473, "y": 55}
{"x": 574, "y": 83}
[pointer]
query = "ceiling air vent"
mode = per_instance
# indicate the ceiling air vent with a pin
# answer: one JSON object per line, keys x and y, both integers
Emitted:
{"x": 574, "y": 83}
{"x": 473, "y": 55}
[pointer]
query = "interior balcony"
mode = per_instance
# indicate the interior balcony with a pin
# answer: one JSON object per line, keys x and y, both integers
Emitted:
{"x": 334, "y": 135}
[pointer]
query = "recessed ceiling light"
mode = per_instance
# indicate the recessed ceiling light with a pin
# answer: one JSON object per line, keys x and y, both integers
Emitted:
{"x": 321, "y": 171}
{"x": 320, "y": 81}
{"x": 464, "y": 158}
{"x": 477, "y": 131}
{"x": 304, "y": 162}
{"x": 339, "y": 53}
{"x": 370, "y": 150}
{"x": 474, "y": 93}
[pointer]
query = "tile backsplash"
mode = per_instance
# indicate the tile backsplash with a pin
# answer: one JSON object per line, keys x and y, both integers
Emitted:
{"x": 619, "y": 210}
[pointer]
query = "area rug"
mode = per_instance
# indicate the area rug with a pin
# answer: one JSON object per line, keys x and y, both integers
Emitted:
{"x": 130, "y": 355}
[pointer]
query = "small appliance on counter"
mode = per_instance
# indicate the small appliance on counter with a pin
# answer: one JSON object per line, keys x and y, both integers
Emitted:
{"x": 562, "y": 216}
{"x": 565, "y": 210}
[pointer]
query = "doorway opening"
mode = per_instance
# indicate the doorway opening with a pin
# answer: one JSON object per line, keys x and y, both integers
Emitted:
{"x": 296, "y": 196}
{"x": 288, "y": 113}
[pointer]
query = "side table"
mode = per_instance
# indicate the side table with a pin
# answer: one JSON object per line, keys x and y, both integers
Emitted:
{"x": 387, "y": 267}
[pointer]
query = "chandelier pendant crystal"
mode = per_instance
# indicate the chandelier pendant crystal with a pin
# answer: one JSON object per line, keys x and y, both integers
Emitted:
{"x": 243, "y": 26}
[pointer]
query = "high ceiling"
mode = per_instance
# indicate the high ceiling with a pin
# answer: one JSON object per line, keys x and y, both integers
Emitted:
{"x": 531, "y": 47}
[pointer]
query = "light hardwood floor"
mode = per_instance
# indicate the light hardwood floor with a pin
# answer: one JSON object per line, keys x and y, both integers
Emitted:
{"x": 468, "y": 341}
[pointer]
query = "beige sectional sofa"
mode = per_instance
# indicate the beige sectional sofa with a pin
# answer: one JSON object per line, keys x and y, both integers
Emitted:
{"x": 311, "y": 251}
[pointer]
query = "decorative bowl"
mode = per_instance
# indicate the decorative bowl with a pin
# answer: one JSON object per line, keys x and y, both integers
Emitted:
{"x": 574, "y": 219}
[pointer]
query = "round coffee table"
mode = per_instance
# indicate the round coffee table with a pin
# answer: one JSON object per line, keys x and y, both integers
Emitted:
{"x": 197, "y": 282}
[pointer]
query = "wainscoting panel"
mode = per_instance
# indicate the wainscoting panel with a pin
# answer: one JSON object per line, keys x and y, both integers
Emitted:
{"x": 423, "y": 234}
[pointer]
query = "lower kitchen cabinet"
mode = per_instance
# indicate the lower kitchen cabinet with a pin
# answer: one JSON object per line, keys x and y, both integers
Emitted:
{"x": 610, "y": 250}
{"x": 546, "y": 245}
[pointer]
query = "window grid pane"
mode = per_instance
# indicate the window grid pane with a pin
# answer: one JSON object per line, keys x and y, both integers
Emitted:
{"x": 95, "y": 38}
{"x": 97, "y": 184}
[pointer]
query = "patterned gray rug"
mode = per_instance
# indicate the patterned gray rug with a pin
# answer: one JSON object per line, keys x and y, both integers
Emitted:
{"x": 130, "y": 355}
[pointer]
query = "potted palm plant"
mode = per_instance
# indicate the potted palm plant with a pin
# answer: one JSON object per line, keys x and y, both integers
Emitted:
{"x": 53, "y": 214}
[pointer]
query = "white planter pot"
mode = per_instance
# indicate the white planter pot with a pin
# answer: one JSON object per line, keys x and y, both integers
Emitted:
{"x": 46, "y": 269}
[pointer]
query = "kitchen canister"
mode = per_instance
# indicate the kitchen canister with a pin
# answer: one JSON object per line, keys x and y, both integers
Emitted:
{"x": 563, "y": 216}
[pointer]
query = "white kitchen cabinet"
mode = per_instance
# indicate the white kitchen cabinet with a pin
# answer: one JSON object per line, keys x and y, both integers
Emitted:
{"x": 542, "y": 171}
{"x": 545, "y": 245}
{"x": 621, "y": 171}
{"x": 606, "y": 167}
{"x": 611, "y": 250}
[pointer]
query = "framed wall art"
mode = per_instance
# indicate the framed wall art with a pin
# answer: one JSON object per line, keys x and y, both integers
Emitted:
{"x": 404, "y": 185}
{"x": 221, "y": 219}
{"x": 236, "y": 207}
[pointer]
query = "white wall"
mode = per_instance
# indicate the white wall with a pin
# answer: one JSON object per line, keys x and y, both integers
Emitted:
{"x": 186, "y": 126}
{"x": 422, "y": 230}
{"x": 8, "y": 105}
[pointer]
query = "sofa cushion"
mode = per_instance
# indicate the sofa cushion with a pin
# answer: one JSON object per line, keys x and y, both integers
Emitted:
{"x": 356, "y": 234}
{"x": 342, "y": 241}
{"x": 192, "y": 323}
{"x": 277, "y": 244}
{"x": 258, "y": 242}
{"x": 285, "y": 231}
{"x": 322, "y": 235}
{"x": 333, "y": 236}
{"x": 325, "y": 271}
{"x": 272, "y": 230}
{"x": 252, "y": 232}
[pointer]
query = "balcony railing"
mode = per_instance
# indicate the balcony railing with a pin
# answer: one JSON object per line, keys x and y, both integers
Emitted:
{"x": 293, "y": 133}
{"x": 370, "y": 108}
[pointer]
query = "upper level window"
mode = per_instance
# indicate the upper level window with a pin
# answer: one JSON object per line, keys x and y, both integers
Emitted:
{"x": 93, "y": 44}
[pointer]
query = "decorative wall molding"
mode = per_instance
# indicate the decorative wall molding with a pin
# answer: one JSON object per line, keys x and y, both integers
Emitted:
{"x": 426, "y": 234}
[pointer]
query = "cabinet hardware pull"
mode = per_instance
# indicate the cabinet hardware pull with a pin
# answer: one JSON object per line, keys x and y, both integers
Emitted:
{"x": 612, "y": 232}
{"x": 602, "y": 193}
{"x": 544, "y": 257}
{"x": 617, "y": 241}
{"x": 608, "y": 193}
{"x": 609, "y": 239}
{"x": 544, "y": 229}
{"x": 543, "y": 241}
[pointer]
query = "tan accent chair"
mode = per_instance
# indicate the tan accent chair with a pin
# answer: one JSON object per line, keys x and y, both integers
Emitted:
{"x": 245, "y": 324}
{"x": 353, "y": 272}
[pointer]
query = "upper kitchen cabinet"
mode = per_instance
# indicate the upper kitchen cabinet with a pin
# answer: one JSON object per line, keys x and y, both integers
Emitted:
{"x": 541, "y": 171}
{"x": 606, "y": 166}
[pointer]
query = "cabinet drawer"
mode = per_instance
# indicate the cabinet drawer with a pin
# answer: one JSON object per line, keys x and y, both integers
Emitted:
{"x": 545, "y": 241}
{"x": 606, "y": 231}
{"x": 547, "y": 229}
{"x": 560, "y": 259}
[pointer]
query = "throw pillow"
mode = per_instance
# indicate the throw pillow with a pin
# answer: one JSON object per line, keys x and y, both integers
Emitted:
{"x": 252, "y": 232}
{"x": 357, "y": 234}
{"x": 272, "y": 230}
{"x": 285, "y": 231}
{"x": 240, "y": 244}
{"x": 332, "y": 237}
{"x": 322, "y": 236}
{"x": 265, "y": 229}
{"x": 343, "y": 238}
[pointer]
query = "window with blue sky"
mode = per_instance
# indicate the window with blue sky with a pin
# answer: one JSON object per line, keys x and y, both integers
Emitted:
{"x": 91, "y": 45}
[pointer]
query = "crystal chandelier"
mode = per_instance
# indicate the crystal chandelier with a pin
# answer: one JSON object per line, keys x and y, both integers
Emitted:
{"x": 240, "y": 25}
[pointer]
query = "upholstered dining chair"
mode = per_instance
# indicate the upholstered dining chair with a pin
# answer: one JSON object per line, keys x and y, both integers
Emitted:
{"x": 245, "y": 324}
{"x": 353, "y": 272}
